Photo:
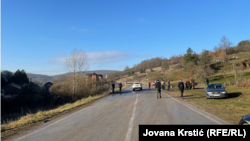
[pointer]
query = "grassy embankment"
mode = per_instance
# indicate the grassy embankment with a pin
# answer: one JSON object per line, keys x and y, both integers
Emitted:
{"x": 231, "y": 109}
{"x": 10, "y": 127}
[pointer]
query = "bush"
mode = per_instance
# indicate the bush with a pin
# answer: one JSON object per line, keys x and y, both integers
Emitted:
{"x": 178, "y": 66}
{"x": 142, "y": 71}
{"x": 152, "y": 76}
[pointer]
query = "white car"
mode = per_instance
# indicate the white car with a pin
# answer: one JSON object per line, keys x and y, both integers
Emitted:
{"x": 137, "y": 85}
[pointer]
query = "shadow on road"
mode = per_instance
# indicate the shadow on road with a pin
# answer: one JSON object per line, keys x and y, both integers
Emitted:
{"x": 235, "y": 94}
{"x": 184, "y": 97}
{"x": 122, "y": 92}
{"x": 187, "y": 95}
{"x": 199, "y": 88}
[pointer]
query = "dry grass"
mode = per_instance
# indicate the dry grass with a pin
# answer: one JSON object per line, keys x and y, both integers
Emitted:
{"x": 11, "y": 126}
{"x": 41, "y": 115}
{"x": 231, "y": 109}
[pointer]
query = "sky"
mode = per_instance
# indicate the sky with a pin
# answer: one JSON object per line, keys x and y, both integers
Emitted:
{"x": 37, "y": 35}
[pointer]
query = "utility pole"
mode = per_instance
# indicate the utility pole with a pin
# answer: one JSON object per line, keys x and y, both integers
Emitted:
{"x": 235, "y": 74}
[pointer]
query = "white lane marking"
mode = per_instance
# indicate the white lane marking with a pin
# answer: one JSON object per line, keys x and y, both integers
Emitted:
{"x": 130, "y": 127}
{"x": 49, "y": 125}
{"x": 197, "y": 111}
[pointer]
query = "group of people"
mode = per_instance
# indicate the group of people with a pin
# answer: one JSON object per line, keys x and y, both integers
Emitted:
{"x": 113, "y": 87}
{"x": 181, "y": 86}
{"x": 159, "y": 86}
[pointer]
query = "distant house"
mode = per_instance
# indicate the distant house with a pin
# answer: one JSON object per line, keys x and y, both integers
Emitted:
{"x": 47, "y": 85}
{"x": 11, "y": 90}
{"x": 93, "y": 78}
{"x": 106, "y": 76}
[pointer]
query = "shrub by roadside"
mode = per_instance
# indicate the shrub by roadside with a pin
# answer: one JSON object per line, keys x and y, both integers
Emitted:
{"x": 7, "y": 128}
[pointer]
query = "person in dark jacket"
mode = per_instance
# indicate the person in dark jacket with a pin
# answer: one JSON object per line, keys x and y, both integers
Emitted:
{"x": 113, "y": 87}
{"x": 120, "y": 86}
{"x": 181, "y": 87}
{"x": 163, "y": 84}
{"x": 207, "y": 81}
{"x": 158, "y": 88}
{"x": 168, "y": 83}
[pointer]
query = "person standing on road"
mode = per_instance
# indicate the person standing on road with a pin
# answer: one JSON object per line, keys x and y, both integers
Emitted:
{"x": 158, "y": 88}
{"x": 120, "y": 86}
{"x": 207, "y": 81}
{"x": 149, "y": 85}
{"x": 181, "y": 87}
{"x": 163, "y": 84}
{"x": 113, "y": 87}
{"x": 168, "y": 83}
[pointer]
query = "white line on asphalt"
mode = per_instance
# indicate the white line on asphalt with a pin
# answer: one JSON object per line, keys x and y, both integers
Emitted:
{"x": 196, "y": 111}
{"x": 130, "y": 127}
{"x": 50, "y": 124}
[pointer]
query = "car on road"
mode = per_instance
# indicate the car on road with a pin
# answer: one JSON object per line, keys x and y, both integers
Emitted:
{"x": 245, "y": 120}
{"x": 137, "y": 85}
{"x": 153, "y": 83}
{"x": 216, "y": 90}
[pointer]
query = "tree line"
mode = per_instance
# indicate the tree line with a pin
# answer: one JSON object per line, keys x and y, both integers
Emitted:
{"x": 193, "y": 63}
{"x": 18, "y": 77}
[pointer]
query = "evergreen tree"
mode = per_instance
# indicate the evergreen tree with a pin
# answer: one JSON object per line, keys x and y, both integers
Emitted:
{"x": 20, "y": 77}
{"x": 142, "y": 71}
{"x": 17, "y": 76}
{"x": 190, "y": 56}
{"x": 129, "y": 73}
{"x": 25, "y": 78}
{"x": 205, "y": 58}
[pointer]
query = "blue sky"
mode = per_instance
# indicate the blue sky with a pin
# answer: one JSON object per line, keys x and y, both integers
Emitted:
{"x": 36, "y": 35}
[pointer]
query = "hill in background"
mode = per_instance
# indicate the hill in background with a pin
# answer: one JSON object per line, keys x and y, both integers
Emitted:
{"x": 44, "y": 78}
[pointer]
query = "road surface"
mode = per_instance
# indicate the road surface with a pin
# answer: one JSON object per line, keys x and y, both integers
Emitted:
{"x": 116, "y": 118}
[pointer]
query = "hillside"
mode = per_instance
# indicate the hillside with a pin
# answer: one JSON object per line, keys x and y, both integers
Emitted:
{"x": 39, "y": 77}
{"x": 44, "y": 78}
{"x": 174, "y": 73}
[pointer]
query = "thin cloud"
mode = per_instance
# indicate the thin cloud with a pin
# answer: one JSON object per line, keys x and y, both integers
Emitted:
{"x": 49, "y": 71}
{"x": 101, "y": 57}
{"x": 78, "y": 29}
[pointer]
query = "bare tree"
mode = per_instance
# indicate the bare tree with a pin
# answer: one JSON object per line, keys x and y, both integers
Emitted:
{"x": 225, "y": 43}
{"x": 75, "y": 64}
{"x": 126, "y": 68}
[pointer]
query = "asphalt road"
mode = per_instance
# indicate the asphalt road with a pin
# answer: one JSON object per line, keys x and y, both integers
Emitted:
{"x": 116, "y": 118}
